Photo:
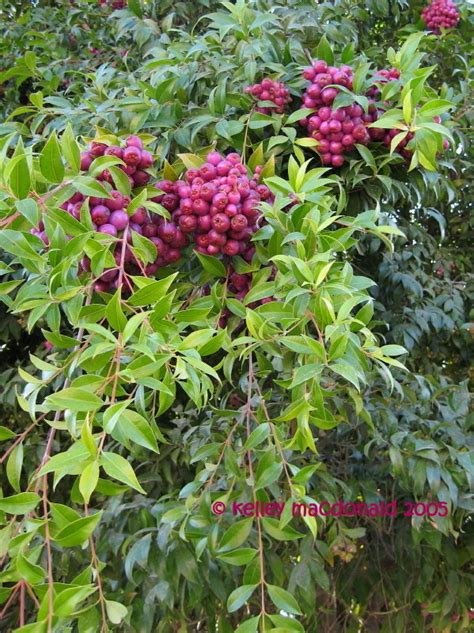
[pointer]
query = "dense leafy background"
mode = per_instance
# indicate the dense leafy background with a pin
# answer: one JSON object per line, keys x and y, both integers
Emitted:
{"x": 175, "y": 73}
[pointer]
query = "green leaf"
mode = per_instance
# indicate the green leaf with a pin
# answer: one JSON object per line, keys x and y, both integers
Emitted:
{"x": 191, "y": 161}
{"x": 74, "y": 399}
{"x": 137, "y": 428}
{"x": 435, "y": 107}
{"x": 6, "y": 434}
{"x": 249, "y": 626}
{"x": 324, "y": 51}
{"x": 239, "y": 597}
{"x": 298, "y": 115}
{"x": 67, "y": 601}
{"x": 22, "y": 503}
{"x": 17, "y": 173}
{"x": 257, "y": 436}
{"x": 238, "y": 556}
{"x": 30, "y": 210}
{"x": 212, "y": 265}
{"x": 272, "y": 527}
{"x": 78, "y": 531}
{"x": 114, "y": 312}
{"x": 269, "y": 476}
{"x": 33, "y": 574}
{"x": 119, "y": 468}
{"x": 286, "y": 624}
{"x": 70, "y": 149}
{"x": 236, "y": 535}
{"x": 90, "y": 187}
{"x": 14, "y": 466}
{"x": 143, "y": 248}
{"x": 393, "y": 350}
{"x": 305, "y": 373}
{"x": 283, "y": 599}
{"x": 196, "y": 339}
{"x": 50, "y": 160}
{"x": 88, "y": 480}
{"x": 347, "y": 372}
{"x": 152, "y": 292}
{"x": 35, "y": 627}
{"x": 112, "y": 415}
{"x": 116, "y": 612}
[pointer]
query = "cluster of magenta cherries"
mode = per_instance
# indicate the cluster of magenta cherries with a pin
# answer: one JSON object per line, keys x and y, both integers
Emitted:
{"x": 113, "y": 4}
{"x": 136, "y": 160}
{"x": 217, "y": 204}
{"x": 440, "y": 14}
{"x": 214, "y": 206}
{"x": 269, "y": 90}
{"x": 110, "y": 217}
{"x": 337, "y": 130}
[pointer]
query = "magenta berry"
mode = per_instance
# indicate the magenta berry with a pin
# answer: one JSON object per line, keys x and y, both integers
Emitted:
{"x": 114, "y": 150}
{"x": 108, "y": 229}
{"x": 132, "y": 155}
{"x": 146, "y": 159}
{"x": 140, "y": 216}
{"x": 119, "y": 219}
{"x": 100, "y": 215}
{"x": 86, "y": 160}
{"x": 134, "y": 141}
{"x": 116, "y": 202}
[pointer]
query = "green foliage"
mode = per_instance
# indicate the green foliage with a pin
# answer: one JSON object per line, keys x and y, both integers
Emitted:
{"x": 142, "y": 412}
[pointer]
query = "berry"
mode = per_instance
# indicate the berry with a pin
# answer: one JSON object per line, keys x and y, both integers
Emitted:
{"x": 140, "y": 216}
{"x": 134, "y": 141}
{"x": 132, "y": 155}
{"x": 146, "y": 159}
{"x": 100, "y": 214}
{"x": 108, "y": 229}
{"x": 116, "y": 202}
{"x": 119, "y": 219}
{"x": 440, "y": 14}
{"x": 86, "y": 160}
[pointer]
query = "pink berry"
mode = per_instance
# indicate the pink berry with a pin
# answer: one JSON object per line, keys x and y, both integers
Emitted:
{"x": 134, "y": 141}
{"x": 119, "y": 219}
{"x": 108, "y": 229}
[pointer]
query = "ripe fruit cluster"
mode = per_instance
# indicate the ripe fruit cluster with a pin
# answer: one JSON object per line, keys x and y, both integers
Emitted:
{"x": 109, "y": 216}
{"x": 136, "y": 159}
{"x": 269, "y": 90}
{"x": 324, "y": 81}
{"x": 336, "y": 129}
{"x": 217, "y": 204}
{"x": 114, "y": 4}
{"x": 440, "y": 14}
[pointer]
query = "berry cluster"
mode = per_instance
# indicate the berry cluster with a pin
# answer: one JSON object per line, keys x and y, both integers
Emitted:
{"x": 217, "y": 204}
{"x": 135, "y": 157}
{"x": 268, "y": 90}
{"x": 324, "y": 80}
{"x": 336, "y": 130}
{"x": 109, "y": 216}
{"x": 440, "y": 14}
{"x": 401, "y": 148}
{"x": 114, "y": 4}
